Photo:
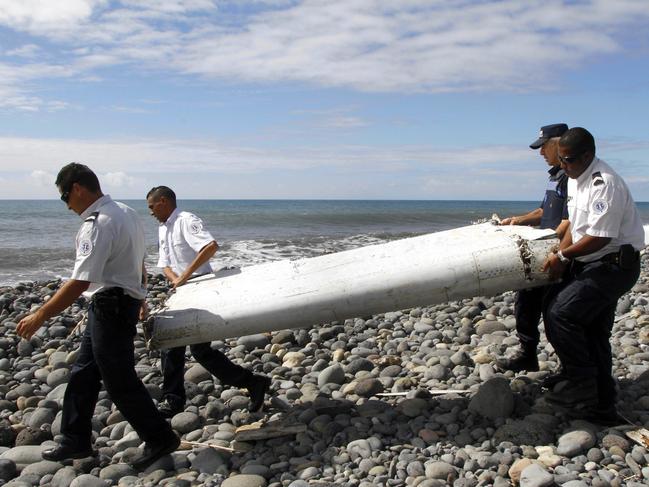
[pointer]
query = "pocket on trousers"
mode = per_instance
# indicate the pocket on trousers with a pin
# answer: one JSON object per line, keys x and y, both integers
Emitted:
{"x": 106, "y": 308}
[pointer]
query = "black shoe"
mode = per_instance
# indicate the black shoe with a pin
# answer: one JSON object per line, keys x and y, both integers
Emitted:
{"x": 170, "y": 407}
{"x": 155, "y": 451}
{"x": 66, "y": 452}
{"x": 257, "y": 388}
{"x": 519, "y": 362}
{"x": 552, "y": 380}
{"x": 574, "y": 393}
{"x": 605, "y": 416}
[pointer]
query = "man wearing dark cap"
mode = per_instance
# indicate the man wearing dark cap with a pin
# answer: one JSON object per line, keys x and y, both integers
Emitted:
{"x": 599, "y": 261}
{"x": 549, "y": 214}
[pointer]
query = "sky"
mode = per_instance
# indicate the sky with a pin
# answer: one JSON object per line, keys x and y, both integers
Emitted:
{"x": 317, "y": 99}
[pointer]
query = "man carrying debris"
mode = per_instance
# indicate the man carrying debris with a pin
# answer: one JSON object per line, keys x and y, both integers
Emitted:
{"x": 185, "y": 248}
{"x": 599, "y": 261}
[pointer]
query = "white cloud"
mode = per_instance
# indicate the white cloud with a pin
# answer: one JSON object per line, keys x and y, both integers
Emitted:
{"x": 26, "y": 50}
{"x": 117, "y": 180}
{"x": 208, "y": 169}
{"x": 116, "y": 158}
{"x": 366, "y": 45}
{"x": 42, "y": 178}
{"x": 41, "y": 14}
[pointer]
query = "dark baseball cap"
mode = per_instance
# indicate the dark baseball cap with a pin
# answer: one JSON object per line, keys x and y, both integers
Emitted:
{"x": 547, "y": 132}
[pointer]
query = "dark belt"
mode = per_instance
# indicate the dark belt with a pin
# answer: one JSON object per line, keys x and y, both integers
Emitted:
{"x": 113, "y": 292}
{"x": 626, "y": 256}
{"x": 614, "y": 257}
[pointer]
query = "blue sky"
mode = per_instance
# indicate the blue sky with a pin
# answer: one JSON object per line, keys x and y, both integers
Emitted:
{"x": 362, "y": 99}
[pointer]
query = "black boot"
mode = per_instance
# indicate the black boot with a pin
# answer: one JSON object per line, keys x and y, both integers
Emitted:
{"x": 257, "y": 387}
{"x": 577, "y": 392}
{"x": 524, "y": 360}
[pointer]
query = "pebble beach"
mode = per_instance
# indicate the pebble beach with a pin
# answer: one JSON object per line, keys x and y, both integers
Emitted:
{"x": 406, "y": 398}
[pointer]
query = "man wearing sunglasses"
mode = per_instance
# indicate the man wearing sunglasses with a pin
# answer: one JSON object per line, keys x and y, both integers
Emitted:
{"x": 185, "y": 249}
{"x": 599, "y": 262}
{"x": 550, "y": 213}
{"x": 109, "y": 270}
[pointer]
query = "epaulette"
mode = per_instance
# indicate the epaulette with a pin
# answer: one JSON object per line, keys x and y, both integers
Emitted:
{"x": 597, "y": 178}
{"x": 93, "y": 216}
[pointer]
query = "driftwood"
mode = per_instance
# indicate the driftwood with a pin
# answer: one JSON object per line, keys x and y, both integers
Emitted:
{"x": 82, "y": 322}
{"x": 264, "y": 431}
{"x": 434, "y": 392}
{"x": 187, "y": 445}
{"x": 640, "y": 436}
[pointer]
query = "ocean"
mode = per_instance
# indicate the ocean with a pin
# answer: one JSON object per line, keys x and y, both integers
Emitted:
{"x": 37, "y": 236}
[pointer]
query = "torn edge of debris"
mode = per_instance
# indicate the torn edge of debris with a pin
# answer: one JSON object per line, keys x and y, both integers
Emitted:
{"x": 526, "y": 256}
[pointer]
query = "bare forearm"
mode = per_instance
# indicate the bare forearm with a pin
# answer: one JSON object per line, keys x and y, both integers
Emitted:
{"x": 203, "y": 256}
{"x": 562, "y": 229}
{"x": 532, "y": 218}
{"x": 586, "y": 245}
{"x": 169, "y": 274}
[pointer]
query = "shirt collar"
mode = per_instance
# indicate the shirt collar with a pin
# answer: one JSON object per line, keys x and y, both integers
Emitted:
{"x": 554, "y": 170}
{"x": 97, "y": 204}
{"x": 172, "y": 217}
{"x": 586, "y": 175}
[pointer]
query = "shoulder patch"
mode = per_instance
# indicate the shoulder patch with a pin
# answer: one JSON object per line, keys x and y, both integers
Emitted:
{"x": 597, "y": 178}
{"x": 85, "y": 247}
{"x": 600, "y": 206}
{"x": 195, "y": 227}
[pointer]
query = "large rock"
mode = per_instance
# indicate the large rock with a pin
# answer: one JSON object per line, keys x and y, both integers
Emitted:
{"x": 26, "y": 390}
{"x": 368, "y": 387}
{"x": 333, "y": 374}
{"x": 536, "y": 476}
{"x": 185, "y": 422}
{"x": 58, "y": 377}
{"x": 87, "y": 480}
{"x": 7, "y": 434}
{"x": 64, "y": 477}
{"x": 197, "y": 373}
{"x": 116, "y": 471}
{"x": 24, "y": 455}
{"x": 575, "y": 442}
{"x": 517, "y": 468}
{"x": 494, "y": 399}
{"x": 208, "y": 461}
{"x": 522, "y": 432}
{"x": 40, "y": 417}
{"x": 252, "y": 342}
{"x": 32, "y": 436}
{"x": 441, "y": 471}
{"x": 57, "y": 393}
{"x": 244, "y": 481}
{"x": 42, "y": 468}
{"x": 7, "y": 469}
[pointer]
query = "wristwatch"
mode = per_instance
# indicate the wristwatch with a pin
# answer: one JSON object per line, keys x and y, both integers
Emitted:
{"x": 562, "y": 258}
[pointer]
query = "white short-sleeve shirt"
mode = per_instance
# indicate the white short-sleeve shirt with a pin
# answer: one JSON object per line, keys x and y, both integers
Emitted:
{"x": 600, "y": 205}
{"x": 110, "y": 248}
{"x": 180, "y": 239}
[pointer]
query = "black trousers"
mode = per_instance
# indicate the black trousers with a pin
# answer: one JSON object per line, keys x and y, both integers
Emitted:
{"x": 107, "y": 354}
{"x": 579, "y": 314}
{"x": 527, "y": 310}
{"x": 214, "y": 361}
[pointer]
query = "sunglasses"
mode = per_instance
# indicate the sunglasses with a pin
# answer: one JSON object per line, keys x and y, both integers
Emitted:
{"x": 570, "y": 159}
{"x": 65, "y": 196}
